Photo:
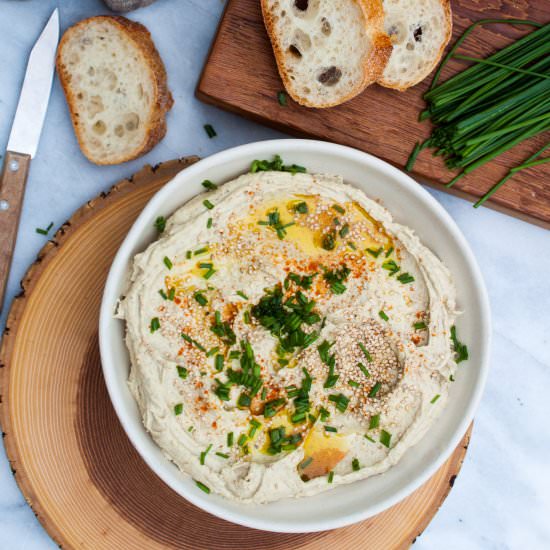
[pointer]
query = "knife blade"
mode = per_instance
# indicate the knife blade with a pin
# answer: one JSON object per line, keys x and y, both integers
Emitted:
{"x": 24, "y": 138}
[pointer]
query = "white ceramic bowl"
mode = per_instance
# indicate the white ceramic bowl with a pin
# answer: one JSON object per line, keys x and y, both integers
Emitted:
{"x": 411, "y": 205}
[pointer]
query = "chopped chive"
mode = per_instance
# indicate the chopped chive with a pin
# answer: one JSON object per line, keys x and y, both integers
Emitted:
{"x": 390, "y": 250}
{"x": 254, "y": 425}
{"x": 405, "y": 278}
{"x": 230, "y": 439}
{"x": 209, "y": 223}
{"x": 205, "y": 265}
{"x": 451, "y": 378}
{"x": 306, "y": 462}
{"x": 383, "y": 315}
{"x": 212, "y": 351}
{"x": 208, "y": 204}
{"x": 353, "y": 384}
{"x": 263, "y": 395}
{"x": 163, "y": 294}
{"x": 218, "y": 363}
{"x": 242, "y": 294}
{"x": 200, "y": 251}
{"x": 281, "y": 98}
{"x": 385, "y": 438}
{"x": 460, "y": 349}
{"x": 207, "y": 184}
{"x": 344, "y": 231}
{"x": 338, "y": 209}
{"x": 340, "y": 401}
{"x": 221, "y": 455}
{"x": 244, "y": 400}
{"x": 364, "y": 369}
{"x": 301, "y": 208}
{"x": 209, "y": 273}
{"x": 188, "y": 254}
{"x": 330, "y": 477}
{"x": 210, "y": 132}
{"x": 242, "y": 440}
{"x": 202, "y": 486}
{"x": 190, "y": 429}
{"x": 155, "y": 324}
{"x": 435, "y": 398}
{"x": 355, "y": 466}
{"x": 369, "y": 438}
{"x": 365, "y": 352}
{"x": 421, "y": 325}
{"x": 204, "y": 453}
{"x": 172, "y": 293}
{"x": 167, "y": 262}
{"x": 160, "y": 224}
{"x": 375, "y": 389}
{"x": 178, "y": 409}
{"x": 331, "y": 429}
{"x": 200, "y": 298}
{"x": 374, "y": 421}
{"x": 391, "y": 266}
{"x": 182, "y": 372}
{"x": 374, "y": 252}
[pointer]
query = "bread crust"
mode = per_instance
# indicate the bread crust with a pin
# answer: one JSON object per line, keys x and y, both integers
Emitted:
{"x": 141, "y": 38}
{"x": 374, "y": 63}
{"x": 446, "y": 4}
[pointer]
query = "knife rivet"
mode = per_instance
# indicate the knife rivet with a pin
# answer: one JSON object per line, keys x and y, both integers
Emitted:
{"x": 14, "y": 165}
{"x": 4, "y": 205}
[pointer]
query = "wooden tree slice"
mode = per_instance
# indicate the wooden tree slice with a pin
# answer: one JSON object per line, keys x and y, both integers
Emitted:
{"x": 73, "y": 462}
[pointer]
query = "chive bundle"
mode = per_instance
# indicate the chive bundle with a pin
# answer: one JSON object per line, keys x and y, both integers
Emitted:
{"x": 492, "y": 106}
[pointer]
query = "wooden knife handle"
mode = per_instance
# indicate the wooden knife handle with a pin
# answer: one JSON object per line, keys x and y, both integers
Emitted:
{"x": 12, "y": 190}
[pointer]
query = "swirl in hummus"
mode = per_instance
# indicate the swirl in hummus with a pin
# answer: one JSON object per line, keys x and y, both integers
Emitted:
{"x": 287, "y": 336}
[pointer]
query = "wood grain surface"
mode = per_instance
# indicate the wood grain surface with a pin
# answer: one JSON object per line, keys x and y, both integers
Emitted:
{"x": 241, "y": 76}
{"x": 69, "y": 454}
{"x": 12, "y": 190}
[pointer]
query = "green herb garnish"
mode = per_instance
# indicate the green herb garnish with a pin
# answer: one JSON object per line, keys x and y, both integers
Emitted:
{"x": 242, "y": 294}
{"x": 202, "y": 486}
{"x": 160, "y": 224}
{"x": 281, "y": 98}
{"x": 336, "y": 279}
{"x": 208, "y": 204}
{"x": 301, "y": 208}
{"x": 355, "y": 466}
{"x": 460, "y": 349}
{"x": 385, "y": 438}
{"x": 222, "y": 455}
{"x": 200, "y": 298}
{"x": 435, "y": 398}
{"x": 375, "y": 389}
{"x": 167, "y": 262}
{"x": 204, "y": 453}
{"x": 330, "y": 477}
{"x": 182, "y": 372}
{"x": 210, "y": 132}
{"x": 391, "y": 266}
{"x": 178, "y": 409}
{"x": 207, "y": 184}
{"x": 331, "y": 429}
{"x": 383, "y": 315}
{"x": 276, "y": 164}
{"x": 365, "y": 352}
{"x": 374, "y": 252}
{"x": 421, "y": 325}
{"x": 340, "y": 401}
{"x": 272, "y": 407}
{"x": 405, "y": 278}
{"x": 374, "y": 421}
{"x": 218, "y": 362}
{"x": 155, "y": 324}
{"x": 230, "y": 439}
{"x": 274, "y": 222}
{"x": 364, "y": 369}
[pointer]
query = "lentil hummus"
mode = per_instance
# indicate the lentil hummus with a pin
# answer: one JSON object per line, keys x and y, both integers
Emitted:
{"x": 287, "y": 336}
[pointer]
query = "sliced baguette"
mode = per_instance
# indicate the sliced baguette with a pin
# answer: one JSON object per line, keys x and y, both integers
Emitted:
{"x": 115, "y": 84}
{"x": 419, "y": 30}
{"x": 327, "y": 51}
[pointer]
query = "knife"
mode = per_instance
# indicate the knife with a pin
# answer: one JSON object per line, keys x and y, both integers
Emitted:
{"x": 23, "y": 140}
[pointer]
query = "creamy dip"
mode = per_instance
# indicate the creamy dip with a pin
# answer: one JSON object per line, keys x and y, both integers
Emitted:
{"x": 287, "y": 336}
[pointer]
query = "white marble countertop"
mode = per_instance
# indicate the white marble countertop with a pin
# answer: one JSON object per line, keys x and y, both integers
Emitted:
{"x": 501, "y": 499}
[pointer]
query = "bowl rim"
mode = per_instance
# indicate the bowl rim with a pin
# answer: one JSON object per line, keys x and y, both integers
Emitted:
{"x": 260, "y": 149}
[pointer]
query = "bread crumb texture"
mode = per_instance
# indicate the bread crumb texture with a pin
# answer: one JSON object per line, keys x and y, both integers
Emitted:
{"x": 115, "y": 84}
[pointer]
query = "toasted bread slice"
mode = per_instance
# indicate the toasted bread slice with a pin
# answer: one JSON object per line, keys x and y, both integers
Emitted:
{"x": 115, "y": 84}
{"x": 419, "y": 30}
{"x": 327, "y": 51}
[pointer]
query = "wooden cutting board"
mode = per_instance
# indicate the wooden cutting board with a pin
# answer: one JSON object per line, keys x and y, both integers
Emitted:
{"x": 68, "y": 452}
{"x": 241, "y": 76}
